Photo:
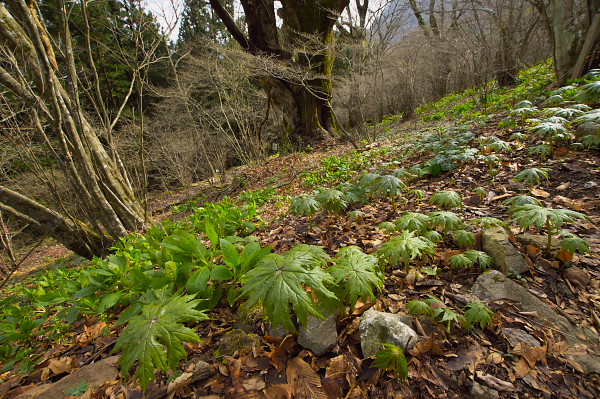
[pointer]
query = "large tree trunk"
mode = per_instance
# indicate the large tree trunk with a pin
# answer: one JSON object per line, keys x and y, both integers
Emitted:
{"x": 301, "y": 93}
{"x": 109, "y": 206}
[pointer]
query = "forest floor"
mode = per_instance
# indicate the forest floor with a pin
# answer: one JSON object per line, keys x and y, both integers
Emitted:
{"x": 447, "y": 362}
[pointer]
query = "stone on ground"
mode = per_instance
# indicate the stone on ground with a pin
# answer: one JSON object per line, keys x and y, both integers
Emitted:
{"x": 320, "y": 336}
{"x": 506, "y": 257}
{"x": 388, "y": 328}
{"x": 494, "y": 285}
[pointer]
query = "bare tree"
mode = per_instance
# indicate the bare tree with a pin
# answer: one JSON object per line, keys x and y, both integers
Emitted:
{"x": 305, "y": 41}
{"x": 29, "y": 71}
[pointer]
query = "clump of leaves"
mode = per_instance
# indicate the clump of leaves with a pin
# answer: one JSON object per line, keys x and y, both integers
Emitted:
{"x": 419, "y": 195}
{"x": 405, "y": 247}
{"x": 279, "y": 282}
{"x": 556, "y": 119}
{"x": 389, "y": 186}
{"x": 464, "y": 238}
{"x": 517, "y": 137}
{"x": 591, "y": 116}
{"x": 488, "y": 221}
{"x": 355, "y": 275}
{"x": 392, "y": 357}
{"x": 356, "y": 215}
{"x": 154, "y": 338}
{"x": 305, "y": 205}
{"x": 478, "y": 313}
{"x": 448, "y": 221}
{"x": 413, "y": 221}
{"x": 480, "y": 191}
{"x": 591, "y": 141}
{"x": 548, "y": 219}
{"x": 433, "y": 236}
{"x": 572, "y": 243}
{"x": 484, "y": 260}
{"x": 519, "y": 200}
{"x": 460, "y": 261}
{"x": 563, "y": 112}
{"x": 543, "y": 150}
{"x": 447, "y": 199}
{"x": 434, "y": 307}
{"x": 589, "y": 93}
{"x": 532, "y": 176}
{"x": 404, "y": 174}
{"x": 331, "y": 200}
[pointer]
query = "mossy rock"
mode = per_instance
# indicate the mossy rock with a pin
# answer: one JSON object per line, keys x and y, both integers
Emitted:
{"x": 235, "y": 341}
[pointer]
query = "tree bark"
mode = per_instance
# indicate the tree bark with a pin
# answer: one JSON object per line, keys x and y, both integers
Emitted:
{"x": 303, "y": 92}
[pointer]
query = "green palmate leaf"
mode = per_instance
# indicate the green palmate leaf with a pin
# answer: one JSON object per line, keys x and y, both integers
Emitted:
{"x": 523, "y": 104}
{"x": 304, "y": 205}
{"x": 548, "y": 129}
{"x": 353, "y": 193}
{"x": 543, "y": 150}
{"x": 519, "y": 200}
{"x": 332, "y": 199}
{"x": 388, "y": 185}
{"x": 556, "y": 99}
{"x": 279, "y": 282}
{"x": 447, "y": 199}
{"x": 154, "y": 338}
{"x": 591, "y": 116}
{"x": 356, "y": 215}
{"x": 368, "y": 179}
{"x": 563, "y": 112}
{"x": 517, "y": 137}
{"x": 556, "y": 119}
{"x": 572, "y": 243}
{"x": 589, "y": 93}
{"x": 529, "y": 215}
{"x": 413, "y": 221}
{"x": 418, "y": 194}
{"x": 388, "y": 227}
{"x": 433, "y": 236}
{"x": 405, "y": 247}
{"x": 392, "y": 357}
{"x": 488, "y": 221}
{"x": 404, "y": 174}
{"x": 500, "y": 145}
{"x": 460, "y": 261}
{"x": 478, "y": 313}
{"x": 532, "y": 176}
{"x": 464, "y": 238}
{"x": 448, "y": 221}
{"x": 419, "y": 308}
{"x": 448, "y": 316}
{"x": 581, "y": 107}
{"x": 356, "y": 274}
{"x": 485, "y": 261}
{"x": 591, "y": 141}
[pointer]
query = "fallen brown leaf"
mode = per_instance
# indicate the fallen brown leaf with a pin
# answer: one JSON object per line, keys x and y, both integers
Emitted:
{"x": 306, "y": 383}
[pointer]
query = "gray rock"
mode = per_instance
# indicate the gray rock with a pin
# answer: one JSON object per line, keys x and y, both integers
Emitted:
{"x": 479, "y": 391}
{"x": 587, "y": 129}
{"x": 320, "y": 337}
{"x": 494, "y": 285}
{"x": 94, "y": 375}
{"x": 506, "y": 257}
{"x": 516, "y": 336}
{"x": 388, "y": 328}
{"x": 539, "y": 241}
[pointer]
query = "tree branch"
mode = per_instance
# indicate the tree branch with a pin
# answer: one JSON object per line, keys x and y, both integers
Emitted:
{"x": 230, "y": 24}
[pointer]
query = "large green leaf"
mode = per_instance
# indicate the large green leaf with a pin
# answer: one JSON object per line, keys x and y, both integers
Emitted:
{"x": 406, "y": 247}
{"x": 356, "y": 274}
{"x": 154, "y": 338}
{"x": 279, "y": 281}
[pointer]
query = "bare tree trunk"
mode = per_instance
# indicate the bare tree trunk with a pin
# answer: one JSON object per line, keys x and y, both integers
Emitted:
{"x": 109, "y": 203}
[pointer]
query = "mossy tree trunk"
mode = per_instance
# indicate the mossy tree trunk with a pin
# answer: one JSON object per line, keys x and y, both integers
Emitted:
{"x": 305, "y": 42}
